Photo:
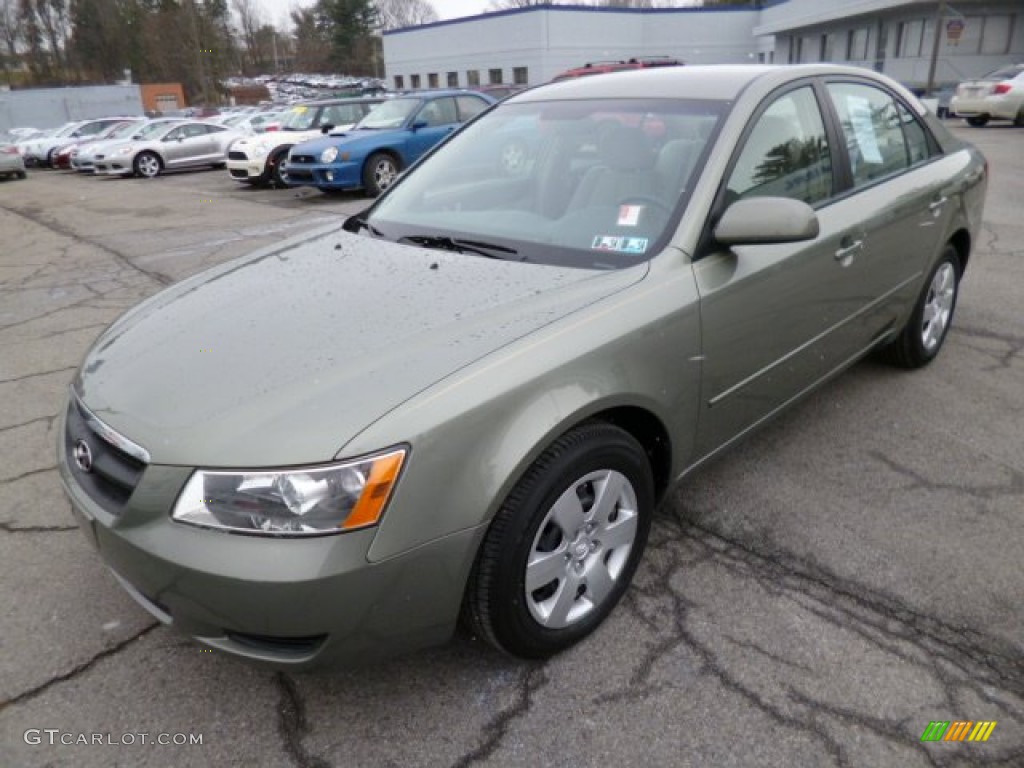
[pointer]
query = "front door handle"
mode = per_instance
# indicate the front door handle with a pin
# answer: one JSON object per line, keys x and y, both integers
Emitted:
{"x": 846, "y": 253}
{"x": 935, "y": 206}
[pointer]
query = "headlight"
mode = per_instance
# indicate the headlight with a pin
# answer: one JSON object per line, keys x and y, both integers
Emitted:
{"x": 125, "y": 150}
{"x": 257, "y": 149}
{"x": 328, "y": 155}
{"x": 292, "y": 502}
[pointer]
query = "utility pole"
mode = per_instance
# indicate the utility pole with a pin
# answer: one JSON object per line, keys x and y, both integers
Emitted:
{"x": 939, "y": 16}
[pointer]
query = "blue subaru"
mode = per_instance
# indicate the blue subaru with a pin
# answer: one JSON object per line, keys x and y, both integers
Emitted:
{"x": 385, "y": 142}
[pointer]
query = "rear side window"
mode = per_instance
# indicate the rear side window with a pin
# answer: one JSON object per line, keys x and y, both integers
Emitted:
{"x": 874, "y": 132}
{"x": 786, "y": 153}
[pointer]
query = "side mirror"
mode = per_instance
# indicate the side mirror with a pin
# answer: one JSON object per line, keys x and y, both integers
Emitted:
{"x": 759, "y": 220}
{"x": 326, "y": 128}
{"x": 419, "y": 124}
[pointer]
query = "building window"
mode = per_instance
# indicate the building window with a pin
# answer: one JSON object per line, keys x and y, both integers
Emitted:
{"x": 909, "y": 39}
{"x": 520, "y": 75}
{"x": 453, "y": 79}
{"x": 473, "y": 77}
{"x": 995, "y": 39}
{"x": 432, "y": 80}
{"x": 399, "y": 82}
{"x": 857, "y": 45}
{"x": 414, "y": 81}
{"x": 833, "y": 49}
{"x": 494, "y": 76}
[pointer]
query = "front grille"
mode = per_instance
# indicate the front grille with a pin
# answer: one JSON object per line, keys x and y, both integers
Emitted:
{"x": 99, "y": 157}
{"x": 236, "y": 155}
{"x": 239, "y": 174}
{"x": 308, "y": 159}
{"x": 114, "y": 473}
{"x": 294, "y": 175}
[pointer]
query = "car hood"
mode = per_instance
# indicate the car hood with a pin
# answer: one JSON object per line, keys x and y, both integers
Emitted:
{"x": 282, "y": 357}
{"x": 346, "y": 138}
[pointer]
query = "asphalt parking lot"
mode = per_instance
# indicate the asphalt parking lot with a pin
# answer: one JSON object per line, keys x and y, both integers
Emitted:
{"x": 816, "y": 597}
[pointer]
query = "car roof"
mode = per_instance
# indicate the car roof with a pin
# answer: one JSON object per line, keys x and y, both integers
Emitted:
{"x": 716, "y": 82}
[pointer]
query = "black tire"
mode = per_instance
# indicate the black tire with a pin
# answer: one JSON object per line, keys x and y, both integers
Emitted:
{"x": 977, "y": 121}
{"x": 922, "y": 337}
{"x": 497, "y": 606}
{"x": 1019, "y": 119}
{"x": 51, "y": 158}
{"x": 21, "y": 174}
{"x": 147, "y": 165}
{"x": 379, "y": 172}
{"x": 278, "y": 178}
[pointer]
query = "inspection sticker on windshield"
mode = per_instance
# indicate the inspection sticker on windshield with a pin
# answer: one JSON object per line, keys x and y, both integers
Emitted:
{"x": 629, "y": 215}
{"x": 619, "y": 244}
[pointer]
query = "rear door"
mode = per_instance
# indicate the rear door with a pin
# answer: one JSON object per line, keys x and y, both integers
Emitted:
{"x": 903, "y": 192}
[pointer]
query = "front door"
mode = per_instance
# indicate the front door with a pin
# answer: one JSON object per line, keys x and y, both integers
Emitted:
{"x": 772, "y": 316}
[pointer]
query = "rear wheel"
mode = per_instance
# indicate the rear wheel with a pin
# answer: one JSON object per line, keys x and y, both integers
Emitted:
{"x": 147, "y": 165}
{"x": 379, "y": 173}
{"x": 921, "y": 338}
{"x": 977, "y": 121}
{"x": 1019, "y": 119}
{"x": 564, "y": 546}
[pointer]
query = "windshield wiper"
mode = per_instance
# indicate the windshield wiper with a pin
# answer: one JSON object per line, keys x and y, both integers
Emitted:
{"x": 444, "y": 243}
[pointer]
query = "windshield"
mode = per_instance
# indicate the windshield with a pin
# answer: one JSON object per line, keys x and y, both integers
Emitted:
{"x": 390, "y": 114}
{"x": 594, "y": 183}
{"x": 299, "y": 118}
{"x": 125, "y": 129}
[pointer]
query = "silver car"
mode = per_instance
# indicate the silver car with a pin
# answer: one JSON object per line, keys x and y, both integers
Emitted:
{"x": 173, "y": 146}
{"x": 469, "y": 399}
{"x": 11, "y": 163}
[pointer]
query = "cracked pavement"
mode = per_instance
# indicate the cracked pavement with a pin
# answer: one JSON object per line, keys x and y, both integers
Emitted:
{"x": 815, "y": 597}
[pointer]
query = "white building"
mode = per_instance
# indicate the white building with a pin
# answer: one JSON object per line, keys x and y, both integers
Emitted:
{"x": 532, "y": 45}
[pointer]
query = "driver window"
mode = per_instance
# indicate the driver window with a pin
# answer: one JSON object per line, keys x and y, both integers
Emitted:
{"x": 786, "y": 154}
{"x": 439, "y": 112}
{"x": 174, "y": 135}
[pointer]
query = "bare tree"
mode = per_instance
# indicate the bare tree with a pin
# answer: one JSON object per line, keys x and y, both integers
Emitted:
{"x": 395, "y": 14}
{"x": 249, "y": 23}
{"x": 10, "y": 32}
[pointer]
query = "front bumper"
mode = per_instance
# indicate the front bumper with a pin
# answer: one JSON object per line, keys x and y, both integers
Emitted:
{"x": 324, "y": 175}
{"x": 290, "y": 602}
{"x": 244, "y": 168}
{"x": 114, "y": 166}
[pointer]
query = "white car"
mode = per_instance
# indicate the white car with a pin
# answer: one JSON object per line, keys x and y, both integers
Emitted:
{"x": 999, "y": 95}
{"x": 258, "y": 159}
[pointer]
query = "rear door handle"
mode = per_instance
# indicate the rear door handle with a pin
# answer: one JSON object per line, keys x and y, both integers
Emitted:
{"x": 935, "y": 206}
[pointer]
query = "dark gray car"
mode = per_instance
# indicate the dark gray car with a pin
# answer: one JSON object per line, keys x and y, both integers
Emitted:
{"x": 468, "y": 400}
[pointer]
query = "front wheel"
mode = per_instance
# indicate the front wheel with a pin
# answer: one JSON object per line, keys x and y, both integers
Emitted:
{"x": 147, "y": 165}
{"x": 977, "y": 121}
{"x": 278, "y": 175}
{"x": 921, "y": 338}
{"x": 379, "y": 173}
{"x": 563, "y": 548}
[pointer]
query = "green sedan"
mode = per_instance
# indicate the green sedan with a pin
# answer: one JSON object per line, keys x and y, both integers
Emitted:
{"x": 467, "y": 401}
